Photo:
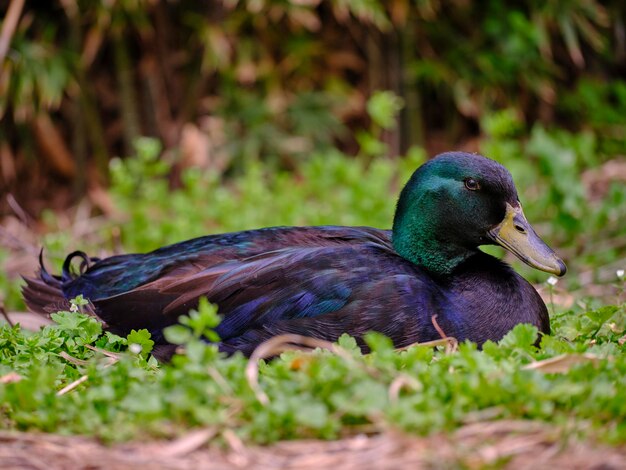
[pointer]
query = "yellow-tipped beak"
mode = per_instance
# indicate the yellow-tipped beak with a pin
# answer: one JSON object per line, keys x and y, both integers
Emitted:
{"x": 516, "y": 235}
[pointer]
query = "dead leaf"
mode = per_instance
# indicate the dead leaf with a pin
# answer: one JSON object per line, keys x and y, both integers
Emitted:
{"x": 10, "y": 378}
{"x": 183, "y": 445}
{"x": 561, "y": 364}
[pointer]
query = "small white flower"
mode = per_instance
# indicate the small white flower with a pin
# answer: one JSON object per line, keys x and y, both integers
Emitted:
{"x": 620, "y": 274}
{"x": 552, "y": 281}
{"x": 73, "y": 308}
{"x": 135, "y": 348}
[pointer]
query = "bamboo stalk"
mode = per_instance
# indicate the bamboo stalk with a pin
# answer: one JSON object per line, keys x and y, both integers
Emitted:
{"x": 413, "y": 123}
{"x": 79, "y": 141}
{"x": 88, "y": 127}
{"x": 396, "y": 72}
{"x": 128, "y": 97}
{"x": 53, "y": 146}
{"x": 8, "y": 26}
{"x": 8, "y": 29}
{"x": 93, "y": 125}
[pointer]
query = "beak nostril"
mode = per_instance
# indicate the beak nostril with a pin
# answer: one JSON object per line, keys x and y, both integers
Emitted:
{"x": 520, "y": 229}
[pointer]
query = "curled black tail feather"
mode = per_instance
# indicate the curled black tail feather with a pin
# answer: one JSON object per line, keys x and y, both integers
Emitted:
{"x": 45, "y": 276}
{"x": 67, "y": 274}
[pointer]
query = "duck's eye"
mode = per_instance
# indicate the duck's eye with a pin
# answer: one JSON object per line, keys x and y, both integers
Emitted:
{"x": 471, "y": 184}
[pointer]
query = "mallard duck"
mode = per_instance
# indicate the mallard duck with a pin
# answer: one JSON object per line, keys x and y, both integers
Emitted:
{"x": 329, "y": 280}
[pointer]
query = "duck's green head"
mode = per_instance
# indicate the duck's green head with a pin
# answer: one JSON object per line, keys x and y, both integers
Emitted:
{"x": 457, "y": 202}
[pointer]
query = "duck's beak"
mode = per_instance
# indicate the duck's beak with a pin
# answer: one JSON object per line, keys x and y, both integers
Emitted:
{"x": 516, "y": 235}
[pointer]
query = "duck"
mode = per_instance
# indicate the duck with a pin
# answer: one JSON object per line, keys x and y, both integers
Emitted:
{"x": 424, "y": 278}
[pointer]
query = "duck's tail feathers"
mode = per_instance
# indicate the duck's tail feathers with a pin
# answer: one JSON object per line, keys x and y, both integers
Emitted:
{"x": 43, "y": 294}
{"x": 68, "y": 274}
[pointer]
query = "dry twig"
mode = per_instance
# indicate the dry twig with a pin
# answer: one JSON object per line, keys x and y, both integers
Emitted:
{"x": 400, "y": 382}
{"x": 72, "y": 359}
{"x": 8, "y": 29}
{"x": 279, "y": 344}
{"x": 72, "y": 386}
{"x": 4, "y": 313}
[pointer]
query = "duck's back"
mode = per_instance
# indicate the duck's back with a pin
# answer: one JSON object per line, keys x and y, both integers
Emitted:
{"x": 119, "y": 274}
{"x": 320, "y": 281}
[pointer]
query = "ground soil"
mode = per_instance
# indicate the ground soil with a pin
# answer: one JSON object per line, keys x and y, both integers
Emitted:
{"x": 500, "y": 444}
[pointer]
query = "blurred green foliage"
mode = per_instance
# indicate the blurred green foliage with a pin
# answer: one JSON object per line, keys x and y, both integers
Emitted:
{"x": 601, "y": 106}
{"x": 328, "y": 189}
{"x": 38, "y": 75}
